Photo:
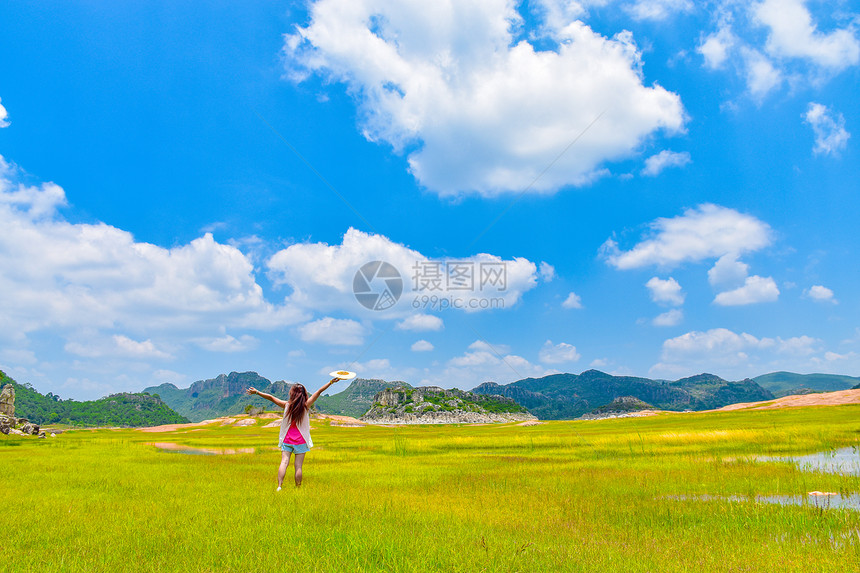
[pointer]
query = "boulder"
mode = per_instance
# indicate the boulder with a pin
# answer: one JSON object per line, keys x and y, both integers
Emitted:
{"x": 30, "y": 428}
{"x": 7, "y": 401}
{"x": 6, "y": 422}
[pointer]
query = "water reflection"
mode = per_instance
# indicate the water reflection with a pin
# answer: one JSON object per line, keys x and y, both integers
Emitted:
{"x": 180, "y": 449}
{"x": 813, "y": 499}
{"x": 844, "y": 461}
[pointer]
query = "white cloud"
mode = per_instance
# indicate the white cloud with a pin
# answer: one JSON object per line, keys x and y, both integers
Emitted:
{"x": 547, "y": 272}
{"x": 228, "y": 343}
{"x": 422, "y": 346}
{"x": 728, "y": 270}
{"x": 4, "y": 116}
{"x": 321, "y": 276}
{"x": 695, "y": 351}
{"x": 798, "y": 345}
{"x": 666, "y": 291}
{"x": 482, "y": 346}
{"x": 831, "y": 136}
{"x": 90, "y": 345}
{"x": 657, "y": 9}
{"x": 761, "y": 75}
{"x": 558, "y": 353}
{"x": 708, "y": 231}
{"x": 483, "y": 364}
{"x": 657, "y": 163}
{"x": 669, "y": 318}
{"x": 716, "y": 47}
{"x": 333, "y": 331}
{"x": 754, "y": 290}
{"x": 420, "y": 322}
{"x": 820, "y": 293}
{"x": 573, "y": 300}
{"x": 484, "y": 112}
{"x": 793, "y": 34}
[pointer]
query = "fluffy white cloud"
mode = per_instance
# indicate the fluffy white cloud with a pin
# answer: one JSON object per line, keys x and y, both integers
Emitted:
{"x": 669, "y": 318}
{"x": 228, "y": 343}
{"x": 95, "y": 276}
{"x": 718, "y": 346}
{"x": 90, "y": 345}
{"x": 422, "y": 346}
{"x": 831, "y": 136}
{"x": 321, "y": 277}
{"x": 657, "y": 9}
{"x": 755, "y": 289}
{"x": 483, "y": 111}
{"x": 558, "y": 353}
{"x": 798, "y": 345}
{"x": 820, "y": 293}
{"x": 761, "y": 75}
{"x": 715, "y": 48}
{"x": 657, "y": 163}
{"x": 333, "y": 331}
{"x": 547, "y": 272}
{"x": 708, "y": 231}
{"x": 4, "y": 116}
{"x": 793, "y": 34}
{"x": 666, "y": 291}
{"x": 420, "y": 322}
{"x": 484, "y": 363}
{"x": 573, "y": 300}
{"x": 728, "y": 270}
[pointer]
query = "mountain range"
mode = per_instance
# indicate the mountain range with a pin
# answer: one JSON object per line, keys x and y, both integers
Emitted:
{"x": 557, "y": 396}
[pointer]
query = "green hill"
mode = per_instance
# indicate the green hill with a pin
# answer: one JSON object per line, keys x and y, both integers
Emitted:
{"x": 356, "y": 399}
{"x": 128, "y": 410}
{"x": 787, "y": 383}
{"x": 223, "y": 395}
{"x": 567, "y": 396}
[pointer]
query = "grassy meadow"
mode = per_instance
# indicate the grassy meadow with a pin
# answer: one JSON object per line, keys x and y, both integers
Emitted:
{"x": 560, "y": 496}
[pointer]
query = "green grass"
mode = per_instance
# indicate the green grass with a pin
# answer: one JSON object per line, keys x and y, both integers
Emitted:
{"x": 562, "y": 496}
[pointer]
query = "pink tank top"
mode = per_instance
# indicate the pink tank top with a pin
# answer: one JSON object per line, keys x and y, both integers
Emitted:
{"x": 294, "y": 436}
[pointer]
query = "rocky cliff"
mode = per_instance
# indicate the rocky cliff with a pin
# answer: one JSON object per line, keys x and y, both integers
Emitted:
{"x": 434, "y": 405}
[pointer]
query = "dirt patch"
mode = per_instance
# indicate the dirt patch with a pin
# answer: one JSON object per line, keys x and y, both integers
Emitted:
{"x": 341, "y": 421}
{"x": 838, "y": 398}
{"x": 530, "y": 423}
{"x": 170, "y": 447}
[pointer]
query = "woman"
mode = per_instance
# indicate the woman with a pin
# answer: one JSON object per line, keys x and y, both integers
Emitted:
{"x": 295, "y": 436}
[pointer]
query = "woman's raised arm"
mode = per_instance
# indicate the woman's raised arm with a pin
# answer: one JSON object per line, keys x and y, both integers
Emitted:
{"x": 316, "y": 394}
{"x": 268, "y": 397}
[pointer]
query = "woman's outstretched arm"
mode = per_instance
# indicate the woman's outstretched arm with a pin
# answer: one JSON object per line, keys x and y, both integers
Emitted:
{"x": 268, "y": 397}
{"x": 316, "y": 394}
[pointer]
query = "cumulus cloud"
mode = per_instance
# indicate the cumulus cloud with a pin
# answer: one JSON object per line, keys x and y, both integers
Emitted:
{"x": 728, "y": 270}
{"x": 754, "y": 290}
{"x": 669, "y": 318}
{"x": 657, "y": 9}
{"x": 715, "y": 48}
{"x": 228, "y": 343}
{"x": 558, "y": 353}
{"x": 547, "y": 272}
{"x": 90, "y": 345}
{"x": 420, "y": 322}
{"x": 4, "y": 116}
{"x": 322, "y": 276}
{"x": 707, "y": 231}
{"x": 77, "y": 276}
{"x": 481, "y": 111}
{"x": 666, "y": 291}
{"x": 761, "y": 75}
{"x": 573, "y": 300}
{"x": 820, "y": 293}
{"x": 793, "y": 34}
{"x": 831, "y": 136}
{"x": 655, "y": 164}
{"x": 483, "y": 363}
{"x": 333, "y": 331}
{"x": 717, "y": 346}
{"x": 422, "y": 346}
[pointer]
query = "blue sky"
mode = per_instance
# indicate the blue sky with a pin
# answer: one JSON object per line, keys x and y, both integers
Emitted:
{"x": 648, "y": 187}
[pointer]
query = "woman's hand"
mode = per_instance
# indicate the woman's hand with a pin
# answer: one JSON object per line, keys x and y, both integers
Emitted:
{"x": 333, "y": 380}
{"x": 251, "y": 391}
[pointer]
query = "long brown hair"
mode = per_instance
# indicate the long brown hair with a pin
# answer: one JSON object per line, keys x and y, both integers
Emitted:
{"x": 298, "y": 402}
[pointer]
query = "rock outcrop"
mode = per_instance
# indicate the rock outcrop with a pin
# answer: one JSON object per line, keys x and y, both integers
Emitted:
{"x": 434, "y": 405}
{"x": 9, "y": 424}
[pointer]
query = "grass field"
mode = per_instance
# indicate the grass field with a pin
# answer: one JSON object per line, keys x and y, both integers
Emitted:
{"x": 561, "y": 496}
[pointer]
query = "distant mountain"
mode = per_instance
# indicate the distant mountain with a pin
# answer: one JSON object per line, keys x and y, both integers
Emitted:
{"x": 567, "y": 396}
{"x": 128, "y": 410}
{"x": 356, "y": 399}
{"x": 787, "y": 383}
{"x": 434, "y": 405}
{"x": 220, "y": 396}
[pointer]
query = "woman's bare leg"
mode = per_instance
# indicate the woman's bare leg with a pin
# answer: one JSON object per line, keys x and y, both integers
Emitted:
{"x": 282, "y": 469}
{"x": 300, "y": 459}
